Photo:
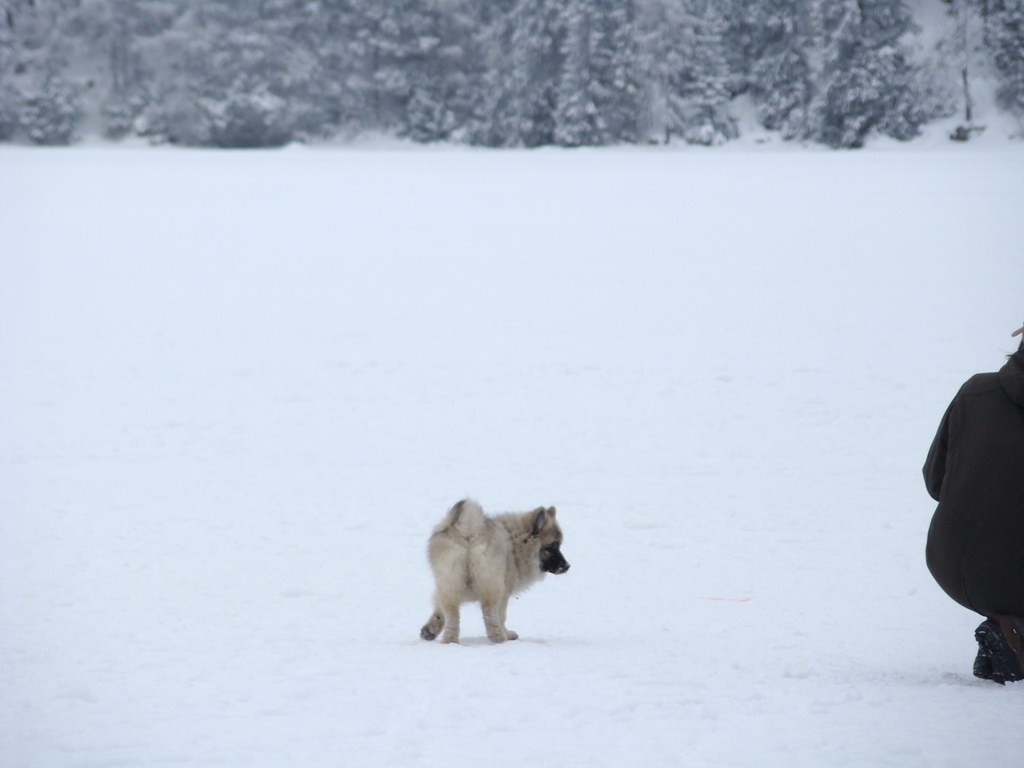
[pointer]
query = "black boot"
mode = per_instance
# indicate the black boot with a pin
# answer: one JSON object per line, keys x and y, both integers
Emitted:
{"x": 997, "y": 660}
{"x": 982, "y": 664}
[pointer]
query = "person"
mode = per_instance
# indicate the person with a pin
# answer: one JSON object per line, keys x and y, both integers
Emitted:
{"x": 975, "y": 549}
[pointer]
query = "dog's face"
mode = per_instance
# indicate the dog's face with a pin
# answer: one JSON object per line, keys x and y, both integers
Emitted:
{"x": 551, "y": 559}
{"x": 546, "y": 529}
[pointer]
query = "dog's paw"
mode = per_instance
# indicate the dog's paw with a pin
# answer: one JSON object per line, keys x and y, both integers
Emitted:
{"x": 447, "y": 639}
{"x": 426, "y": 634}
{"x": 512, "y": 635}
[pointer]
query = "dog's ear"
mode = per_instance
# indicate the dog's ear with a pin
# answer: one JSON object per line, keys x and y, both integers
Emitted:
{"x": 540, "y": 519}
{"x": 551, "y": 512}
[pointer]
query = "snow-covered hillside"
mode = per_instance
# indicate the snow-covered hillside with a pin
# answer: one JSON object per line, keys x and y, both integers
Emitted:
{"x": 238, "y": 390}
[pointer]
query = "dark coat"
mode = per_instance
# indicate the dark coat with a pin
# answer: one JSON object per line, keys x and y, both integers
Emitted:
{"x": 975, "y": 470}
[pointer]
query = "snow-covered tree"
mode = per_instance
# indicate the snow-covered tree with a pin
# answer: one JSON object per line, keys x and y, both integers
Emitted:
{"x": 684, "y": 65}
{"x": 598, "y": 93}
{"x": 10, "y": 99}
{"x": 867, "y": 83}
{"x": 617, "y": 63}
{"x": 578, "y": 118}
{"x": 774, "y": 40}
{"x": 1006, "y": 37}
{"x": 38, "y": 47}
{"x": 664, "y": 69}
{"x": 444, "y": 72}
{"x": 520, "y": 86}
{"x": 51, "y": 116}
{"x": 501, "y": 73}
{"x": 706, "y": 91}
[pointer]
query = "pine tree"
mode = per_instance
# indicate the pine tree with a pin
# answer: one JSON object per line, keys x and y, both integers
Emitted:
{"x": 663, "y": 67}
{"x": 10, "y": 99}
{"x": 597, "y": 96}
{"x": 51, "y": 116}
{"x": 524, "y": 64}
{"x": 344, "y": 84}
{"x": 777, "y": 37}
{"x": 618, "y": 63}
{"x": 577, "y": 116}
{"x": 867, "y": 82}
{"x": 501, "y": 73}
{"x": 444, "y": 71}
{"x": 126, "y": 94}
{"x": 1006, "y": 34}
{"x": 706, "y": 92}
{"x": 389, "y": 33}
{"x": 41, "y": 101}
{"x": 175, "y": 114}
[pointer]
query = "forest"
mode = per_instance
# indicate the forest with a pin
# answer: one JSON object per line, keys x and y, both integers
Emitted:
{"x": 501, "y": 73}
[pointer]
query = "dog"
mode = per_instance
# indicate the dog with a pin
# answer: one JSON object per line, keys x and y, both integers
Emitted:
{"x": 483, "y": 559}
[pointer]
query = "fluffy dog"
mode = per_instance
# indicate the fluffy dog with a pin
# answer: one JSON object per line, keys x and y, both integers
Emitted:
{"x": 483, "y": 559}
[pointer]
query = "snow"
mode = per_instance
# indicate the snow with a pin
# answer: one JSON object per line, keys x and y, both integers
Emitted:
{"x": 239, "y": 389}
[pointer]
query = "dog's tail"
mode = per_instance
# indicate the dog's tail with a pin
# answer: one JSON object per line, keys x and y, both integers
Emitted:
{"x": 466, "y": 518}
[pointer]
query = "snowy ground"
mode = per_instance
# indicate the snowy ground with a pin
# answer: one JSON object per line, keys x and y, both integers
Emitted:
{"x": 238, "y": 389}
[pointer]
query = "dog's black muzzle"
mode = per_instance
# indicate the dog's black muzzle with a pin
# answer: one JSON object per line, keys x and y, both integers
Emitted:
{"x": 551, "y": 560}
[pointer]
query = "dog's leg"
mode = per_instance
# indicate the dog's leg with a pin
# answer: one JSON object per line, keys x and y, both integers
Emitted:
{"x": 492, "y": 621}
{"x": 502, "y": 615}
{"x": 450, "y": 613}
{"x": 433, "y": 626}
